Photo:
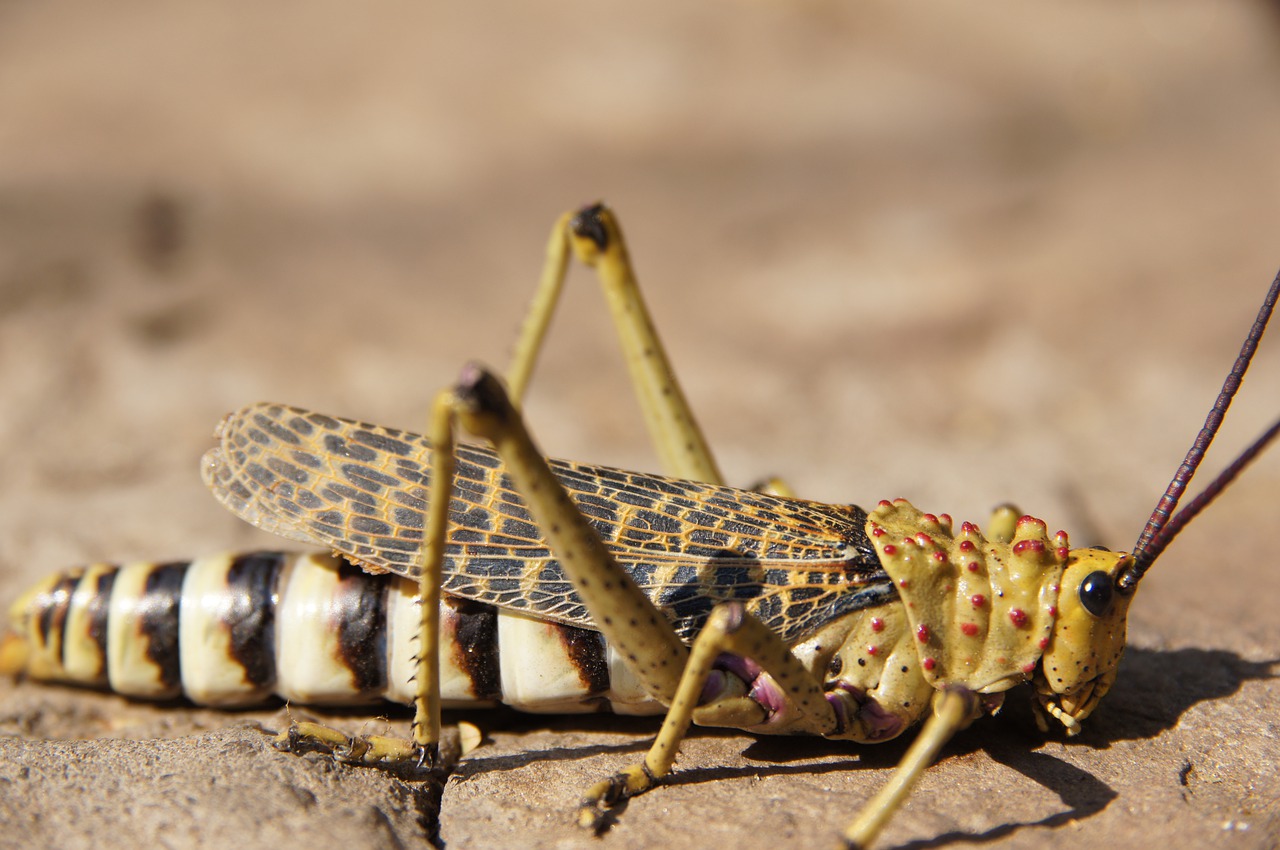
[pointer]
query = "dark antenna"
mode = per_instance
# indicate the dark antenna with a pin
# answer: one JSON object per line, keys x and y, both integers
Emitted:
{"x": 1163, "y": 525}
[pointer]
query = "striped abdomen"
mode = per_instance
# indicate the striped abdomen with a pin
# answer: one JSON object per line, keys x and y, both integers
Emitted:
{"x": 236, "y": 629}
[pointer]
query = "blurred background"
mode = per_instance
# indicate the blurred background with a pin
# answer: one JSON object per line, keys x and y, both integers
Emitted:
{"x": 961, "y": 255}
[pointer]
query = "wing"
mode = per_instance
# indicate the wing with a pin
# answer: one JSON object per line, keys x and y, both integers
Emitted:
{"x": 361, "y": 490}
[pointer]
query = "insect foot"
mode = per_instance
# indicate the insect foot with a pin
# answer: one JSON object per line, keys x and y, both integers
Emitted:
{"x": 595, "y": 810}
{"x": 399, "y": 756}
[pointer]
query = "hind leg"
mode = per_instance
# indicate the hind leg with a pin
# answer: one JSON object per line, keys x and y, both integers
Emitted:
{"x": 592, "y": 235}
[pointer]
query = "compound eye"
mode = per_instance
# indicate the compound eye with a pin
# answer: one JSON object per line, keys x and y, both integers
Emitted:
{"x": 1095, "y": 593}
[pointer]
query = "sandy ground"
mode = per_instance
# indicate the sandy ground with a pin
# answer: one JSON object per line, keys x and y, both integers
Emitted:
{"x": 963, "y": 258}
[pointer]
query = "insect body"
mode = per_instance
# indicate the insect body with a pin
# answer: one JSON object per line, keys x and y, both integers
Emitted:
{"x": 720, "y": 606}
{"x": 271, "y": 606}
{"x": 807, "y": 571}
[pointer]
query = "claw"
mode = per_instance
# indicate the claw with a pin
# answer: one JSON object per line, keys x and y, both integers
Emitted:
{"x": 595, "y": 809}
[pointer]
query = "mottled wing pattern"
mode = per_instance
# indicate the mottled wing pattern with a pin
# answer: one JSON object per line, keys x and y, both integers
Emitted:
{"x": 360, "y": 490}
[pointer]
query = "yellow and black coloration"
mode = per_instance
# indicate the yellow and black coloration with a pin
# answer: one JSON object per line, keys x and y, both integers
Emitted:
{"x": 235, "y": 630}
{"x": 492, "y": 574}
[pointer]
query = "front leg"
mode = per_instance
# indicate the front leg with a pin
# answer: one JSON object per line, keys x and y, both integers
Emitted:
{"x": 954, "y": 708}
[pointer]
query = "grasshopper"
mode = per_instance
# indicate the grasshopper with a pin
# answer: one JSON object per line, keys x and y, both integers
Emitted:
{"x": 467, "y": 574}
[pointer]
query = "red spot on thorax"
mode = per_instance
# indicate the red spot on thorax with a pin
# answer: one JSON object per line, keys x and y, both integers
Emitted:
{"x": 978, "y": 600}
{"x": 969, "y": 629}
{"x": 873, "y": 650}
{"x": 877, "y": 625}
{"x": 1018, "y": 617}
{"x": 929, "y": 663}
{"x": 922, "y": 633}
{"x": 966, "y": 545}
{"x": 890, "y": 549}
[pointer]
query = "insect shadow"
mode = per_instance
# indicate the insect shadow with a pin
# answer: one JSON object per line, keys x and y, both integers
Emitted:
{"x": 1156, "y": 686}
{"x": 1154, "y": 689}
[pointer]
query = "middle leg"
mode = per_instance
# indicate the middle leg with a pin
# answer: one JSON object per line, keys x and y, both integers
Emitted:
{"x": 782, "y": 697}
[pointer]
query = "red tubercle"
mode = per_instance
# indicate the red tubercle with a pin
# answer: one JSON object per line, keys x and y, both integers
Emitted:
{"x": 1018, "y": 617}
{"x": 922, "y": 633}
{"x": 945, "y": 519}
{"x": 970, "y": 629}
{"x": 1027, "y": 519}
{"x": 1029, "y": 668}
{"x": 928, "y": 664}
{"x": 1053, "y": 610}
{"x": 929, "y": 518}
{"x": 885, "y": 503}
{"x": 1044, "y": 643}
{"x": 966, "y": 546}
{"x": 940, "y": 557}
{"x": 973, "y": 566}
{"x": 924, "y": 539}
{"x": 1063, "y": 552}
{"x": 978, "y": 600}
{"x": 873, "y": 650}
{"x": 877, "y": 531}
{"x": 1024, "y": 545}
{"x": 902, "y": 582}
{"x": 877, "y": 625}
{"x": 968, "y": 528}
{"x": 890, "y": 549}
